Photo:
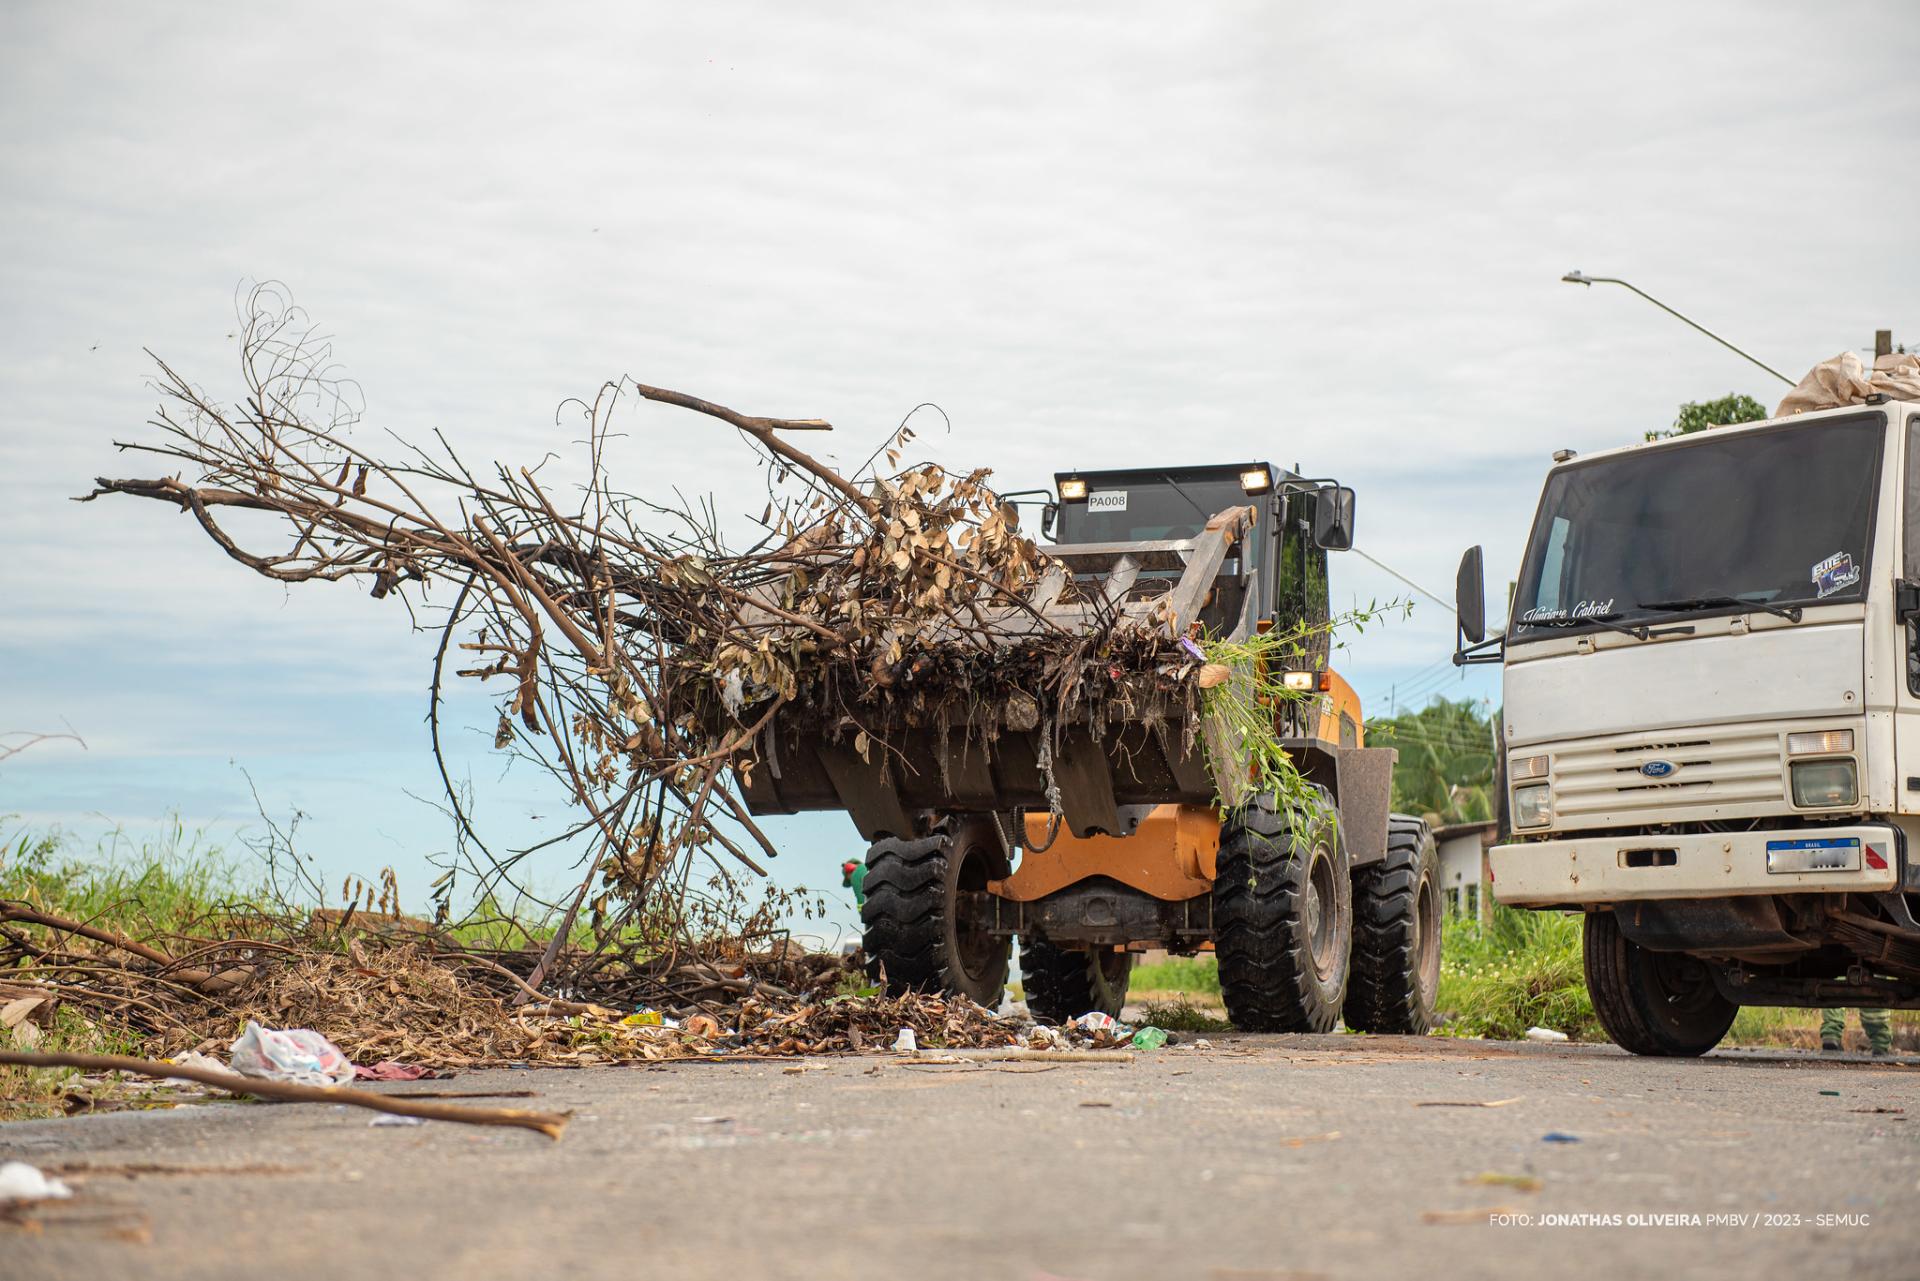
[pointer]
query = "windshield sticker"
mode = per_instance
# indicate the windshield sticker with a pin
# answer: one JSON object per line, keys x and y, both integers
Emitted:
{"x": 1111, "y": 500}
{"x": 1834, "y": 574}
{"x": 1585, "y": 609}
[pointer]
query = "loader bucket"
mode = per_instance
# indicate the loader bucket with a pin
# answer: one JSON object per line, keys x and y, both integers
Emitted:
{"x": 1143, "y": 749}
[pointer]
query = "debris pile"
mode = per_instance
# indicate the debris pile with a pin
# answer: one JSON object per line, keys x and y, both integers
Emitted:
{"x": 643, "y": 656}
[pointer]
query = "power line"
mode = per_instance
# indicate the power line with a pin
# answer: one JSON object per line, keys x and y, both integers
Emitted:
{"x": 1403, "y": 578}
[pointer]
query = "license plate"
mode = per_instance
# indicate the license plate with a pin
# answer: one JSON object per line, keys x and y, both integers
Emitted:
{"x": 1830, "y": 854}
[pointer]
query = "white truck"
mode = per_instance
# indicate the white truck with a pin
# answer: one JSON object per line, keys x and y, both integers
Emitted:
{"x": 1711, "y": 679}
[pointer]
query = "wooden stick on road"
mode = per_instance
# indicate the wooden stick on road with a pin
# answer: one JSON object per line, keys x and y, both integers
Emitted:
{"x": 548, "y": 1123}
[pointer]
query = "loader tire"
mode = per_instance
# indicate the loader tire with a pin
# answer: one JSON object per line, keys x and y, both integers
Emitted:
{"x": 1283, "y": 916}
{"x": 913, "y": 934}
{"x": 1662, "y": 1004}
{"x": 1062, "y": 984}
{"x": 1396, "y": 934}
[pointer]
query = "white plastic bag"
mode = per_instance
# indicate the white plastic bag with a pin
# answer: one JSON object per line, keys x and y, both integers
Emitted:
{"x": 22, "y": 1182}
{"x": 299, "y": 1056}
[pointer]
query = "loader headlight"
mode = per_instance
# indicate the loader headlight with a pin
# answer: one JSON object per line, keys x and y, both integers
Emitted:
{"x": 1824, "y": 784}
{"x": 1256, "y": 480}
{"x": 1532, "y": 806}
{"x": 1072, "y": 491}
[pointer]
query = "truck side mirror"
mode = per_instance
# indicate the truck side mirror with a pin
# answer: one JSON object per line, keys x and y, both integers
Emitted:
{"x": 1049, "y": 514}
{"x": 1333, "y": 518}
{"x": 1906, "y": 600}
{"x": 1470, "y": 596}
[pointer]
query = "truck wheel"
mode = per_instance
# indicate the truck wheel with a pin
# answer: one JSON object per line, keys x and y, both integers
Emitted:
{"x": 1396, "y": 934}
{"x": 1654, "y": 1003}
{"x": 1062, "y": 984}
{"x": 1283, "y": 916}
{"x": 914, "y": 936}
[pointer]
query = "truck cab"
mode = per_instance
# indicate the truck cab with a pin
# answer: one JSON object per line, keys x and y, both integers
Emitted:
{"x": 1711, "y": 674}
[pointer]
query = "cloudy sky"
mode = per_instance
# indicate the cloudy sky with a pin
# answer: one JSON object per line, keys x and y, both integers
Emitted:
{"x": 1103, "y": 234}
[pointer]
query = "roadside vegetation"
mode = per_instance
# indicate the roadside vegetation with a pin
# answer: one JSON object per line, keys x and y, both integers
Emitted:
{"x": 1522, "y": 971}
{"x": 160, "y": 887}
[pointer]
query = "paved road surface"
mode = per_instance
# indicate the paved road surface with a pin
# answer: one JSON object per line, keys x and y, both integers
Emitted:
{"x": 1264, "y": 1157}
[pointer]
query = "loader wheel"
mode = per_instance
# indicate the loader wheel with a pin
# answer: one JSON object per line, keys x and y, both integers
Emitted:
{"x": 1283, "y": 916}
{"x": 1063, "y": 984}
{"x": 914, "y": 937}
{"x": 1396, "y": 934}
{"x": 1653, "y": 1003}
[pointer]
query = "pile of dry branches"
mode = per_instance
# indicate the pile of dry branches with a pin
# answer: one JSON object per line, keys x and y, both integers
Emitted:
{"x": 384, "y": 988}
{"x": 641, "y": 655}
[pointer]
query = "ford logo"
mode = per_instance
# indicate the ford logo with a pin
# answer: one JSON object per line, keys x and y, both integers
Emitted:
{"x": 1658, "y": 769}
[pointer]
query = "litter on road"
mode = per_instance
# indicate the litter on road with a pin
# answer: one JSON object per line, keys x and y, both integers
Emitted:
{"x": 22, "y": 1182}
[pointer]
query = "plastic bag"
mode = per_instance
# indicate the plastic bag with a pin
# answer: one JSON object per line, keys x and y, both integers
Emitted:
{"x": 299, "y": 1055}
{"x": 22, "y": 1182}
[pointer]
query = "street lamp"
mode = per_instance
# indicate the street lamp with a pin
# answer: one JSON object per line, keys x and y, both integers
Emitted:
{"x": 1578, "y": 278}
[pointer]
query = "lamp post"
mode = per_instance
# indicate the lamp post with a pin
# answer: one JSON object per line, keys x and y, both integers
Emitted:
{"x": 1579, "y": 278}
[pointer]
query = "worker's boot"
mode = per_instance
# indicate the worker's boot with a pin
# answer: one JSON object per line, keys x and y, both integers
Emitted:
{"x": 1832, "y": 1027}
{"x": 1878, "y": 1025}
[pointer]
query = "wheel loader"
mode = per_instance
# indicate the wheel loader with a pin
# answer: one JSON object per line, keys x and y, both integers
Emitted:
{"x": 1090, "y": 847}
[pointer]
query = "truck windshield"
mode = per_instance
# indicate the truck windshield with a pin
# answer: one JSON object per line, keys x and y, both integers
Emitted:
{"x": 1719, "y": 524}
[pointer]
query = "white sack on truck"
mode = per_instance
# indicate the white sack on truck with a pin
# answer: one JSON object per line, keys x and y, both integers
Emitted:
{"x": 1844, "y": 380}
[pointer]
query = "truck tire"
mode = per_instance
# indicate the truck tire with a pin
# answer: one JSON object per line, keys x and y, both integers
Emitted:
{"x": 913, "y": 935}
{"x": 1396, "y": 934}
{"x": 1062, "y": 984}
{"x": 1654, "y": 1003}
{"x": 1283, "y": 916}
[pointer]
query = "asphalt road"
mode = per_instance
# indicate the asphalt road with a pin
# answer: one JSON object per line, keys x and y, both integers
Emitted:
{"x": 1264, "y": 1157}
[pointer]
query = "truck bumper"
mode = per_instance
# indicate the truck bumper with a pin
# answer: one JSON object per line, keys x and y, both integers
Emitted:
{"x": 1629, "y": 866}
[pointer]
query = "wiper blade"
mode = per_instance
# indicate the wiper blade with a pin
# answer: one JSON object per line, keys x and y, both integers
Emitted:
{"x": 1789, "y": 612}
{"x": 1602, "y": 620}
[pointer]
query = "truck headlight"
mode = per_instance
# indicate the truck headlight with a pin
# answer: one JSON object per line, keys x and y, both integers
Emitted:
{"x": 1532, "y": 806}
{"x": 1822, "y": 784}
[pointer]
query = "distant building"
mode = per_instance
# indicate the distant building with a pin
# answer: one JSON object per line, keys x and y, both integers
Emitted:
{"x": 1463, "y": 865}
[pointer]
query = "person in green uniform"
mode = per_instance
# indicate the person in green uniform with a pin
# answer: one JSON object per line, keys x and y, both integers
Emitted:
{"x": 1877, "y": 1024}
{"x": 853, "y": 875}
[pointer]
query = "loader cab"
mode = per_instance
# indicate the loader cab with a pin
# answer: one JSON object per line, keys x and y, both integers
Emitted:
{"x": 1279, "y": 574}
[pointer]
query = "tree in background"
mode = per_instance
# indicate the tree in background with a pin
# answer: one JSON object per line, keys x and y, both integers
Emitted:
{"x": 1445, "y": 771}
{"x": 1698, "y": 415}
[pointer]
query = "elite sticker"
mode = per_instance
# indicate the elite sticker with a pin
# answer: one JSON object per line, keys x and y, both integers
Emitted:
{"x": 1836, "y": 573}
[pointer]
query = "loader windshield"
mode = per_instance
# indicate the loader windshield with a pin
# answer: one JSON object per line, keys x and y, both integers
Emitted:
{"x": 1723, "y": 523}
{"x": 1132, "y": 508}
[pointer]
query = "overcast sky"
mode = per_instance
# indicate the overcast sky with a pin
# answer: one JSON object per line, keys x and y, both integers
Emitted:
{"x": 1095, "y": 235}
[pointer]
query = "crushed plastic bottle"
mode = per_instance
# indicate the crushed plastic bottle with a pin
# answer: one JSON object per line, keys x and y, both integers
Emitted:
{"x": 1545, "y": 1034}
{"x": 1148, "y": 1038}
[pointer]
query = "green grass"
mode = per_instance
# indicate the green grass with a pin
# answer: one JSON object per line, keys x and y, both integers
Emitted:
{"x": 164, "y": 885}
{"x": 1181, "y": 1014}
{"x": 160, "y": 887}
{"x": 1197, "y": 974}
{"x": 1522, "y": 970}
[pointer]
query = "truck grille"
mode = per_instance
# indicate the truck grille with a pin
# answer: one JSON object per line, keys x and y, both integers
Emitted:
{"x": 1599, "y": 783}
